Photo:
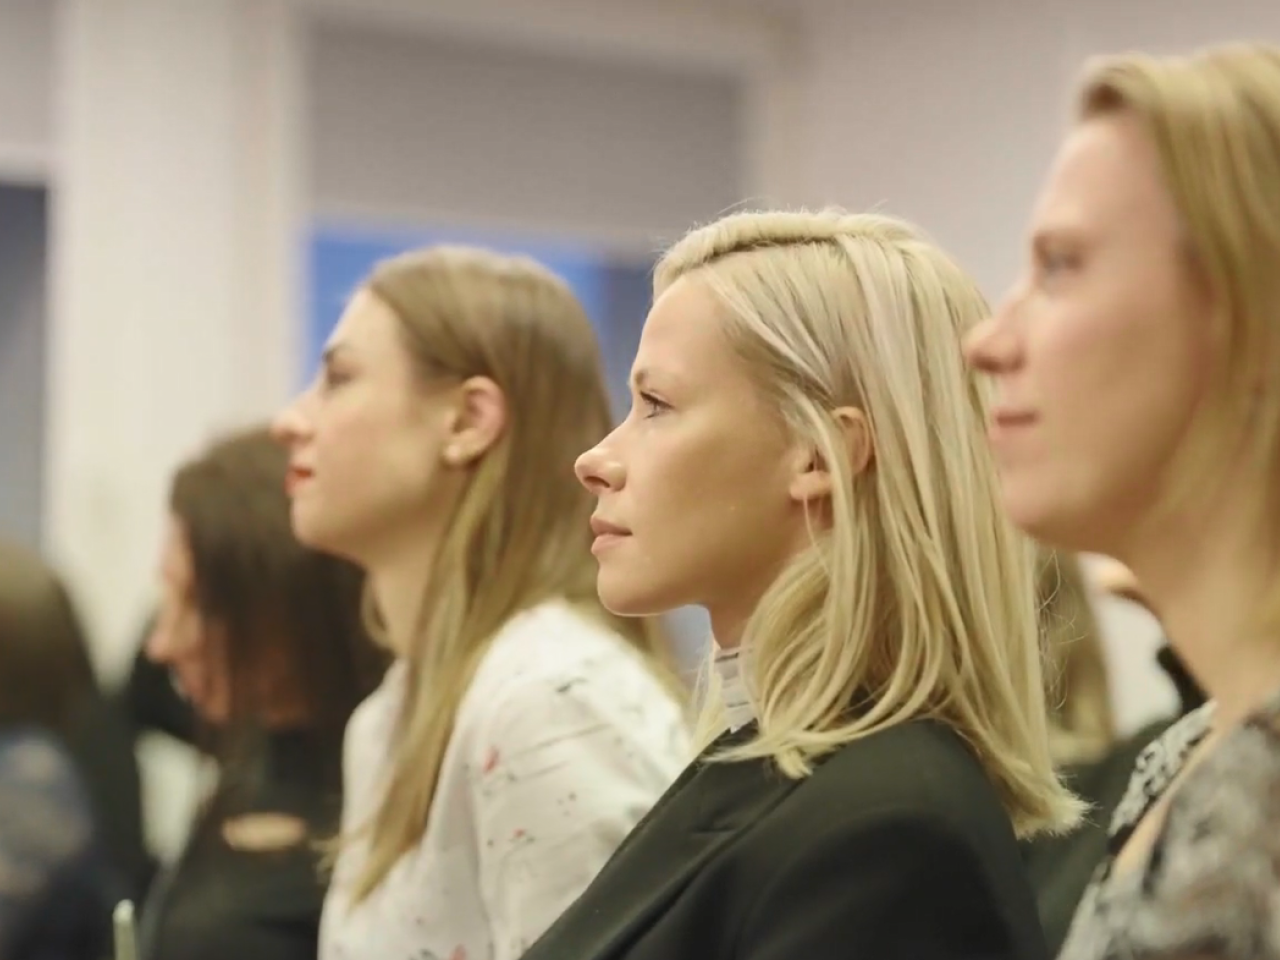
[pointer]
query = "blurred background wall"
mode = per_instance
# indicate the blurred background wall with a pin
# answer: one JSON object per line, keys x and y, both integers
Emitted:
{"x": 188, "y": 190}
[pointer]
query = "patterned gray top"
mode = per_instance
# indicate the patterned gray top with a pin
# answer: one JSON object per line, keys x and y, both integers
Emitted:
{"x": 1211, "y": 885}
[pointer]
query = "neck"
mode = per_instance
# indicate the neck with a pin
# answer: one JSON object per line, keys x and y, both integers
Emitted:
{"x": 399, "y": 584}
{"x": 728, "y": 625}
{"x": 1207, "y": 578}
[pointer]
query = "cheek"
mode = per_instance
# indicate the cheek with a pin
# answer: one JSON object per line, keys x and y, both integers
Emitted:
{"x": 1115, "y": 392}
{"x": 707, "y": 510}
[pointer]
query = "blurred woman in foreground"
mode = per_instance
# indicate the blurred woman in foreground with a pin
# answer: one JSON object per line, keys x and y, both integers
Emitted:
{"x": 1139, "y": 417}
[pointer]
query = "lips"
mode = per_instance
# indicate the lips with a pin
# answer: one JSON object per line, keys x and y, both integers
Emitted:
{"x": 295, "y": 478}
{"x": 1013, "y": 418}
{"x": 603, "y": 528}
{"x": 1007, "y": 422}
{"x": 607, "y": 534}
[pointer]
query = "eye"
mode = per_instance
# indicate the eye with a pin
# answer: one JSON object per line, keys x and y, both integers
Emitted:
{"x": 652, "y": 405}
{"x": 1052, "y": 263}
{"x": 331, "y": 378}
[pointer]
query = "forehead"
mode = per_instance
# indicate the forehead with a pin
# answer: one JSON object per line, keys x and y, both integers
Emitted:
{"x": 683, "y": 335}
{"x": 1106, "y": 179}
{"x": 367, "y": 325}
{"x": 175, "y": 555}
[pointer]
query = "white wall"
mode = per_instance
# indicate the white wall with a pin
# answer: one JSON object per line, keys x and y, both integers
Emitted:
{"x": 410, "y": 127}
{"x": 26, "y": 89}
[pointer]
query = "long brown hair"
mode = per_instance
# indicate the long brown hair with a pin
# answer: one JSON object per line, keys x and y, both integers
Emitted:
{"x": 45, "y": 671}
{"x": 520, "y": 534}
{"x": 279, "y": 609}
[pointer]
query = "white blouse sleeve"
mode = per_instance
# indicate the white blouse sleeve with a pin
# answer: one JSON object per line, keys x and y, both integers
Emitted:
{"x": 560, "y": 776}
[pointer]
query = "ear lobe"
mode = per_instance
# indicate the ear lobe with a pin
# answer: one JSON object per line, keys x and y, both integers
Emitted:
{"x": 479, "y": 419}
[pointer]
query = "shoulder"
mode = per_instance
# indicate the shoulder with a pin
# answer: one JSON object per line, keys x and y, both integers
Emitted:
{"x": 918, "y": 776}
{"x": 34, "y": 761}
{"x": 555, "y": 659}
{"x": 1235, "y": 790}
{"x": 43, "y": 807}
{"x": 554, "y": 674}
{"x": 1157, "y": 765}
{"x": 375, "y": 717}
{"x": 920, "y": 764}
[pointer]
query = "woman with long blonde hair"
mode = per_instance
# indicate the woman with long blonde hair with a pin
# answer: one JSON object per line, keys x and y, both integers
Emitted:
{"x": 804, "y": 459}
{"x": 523, "y": 730}
{"x": 1139, "y": 417}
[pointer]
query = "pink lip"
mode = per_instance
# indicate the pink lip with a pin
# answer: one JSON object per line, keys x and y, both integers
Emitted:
{"x": 1005, "y": 421}
{"x": 601, "y": 527}
{"x": 295, "y": 478}
{"x": 604, "y": 541}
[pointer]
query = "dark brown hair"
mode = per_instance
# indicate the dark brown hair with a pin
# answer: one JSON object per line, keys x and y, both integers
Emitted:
{"x": 45, "y": 671}
{"x": 281, "y": 612}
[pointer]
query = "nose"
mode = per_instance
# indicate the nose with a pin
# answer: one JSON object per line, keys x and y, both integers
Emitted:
{"x": 993, "y": 347}
{"x": 161, "y": 645}
{"x": 599, "y": 470}
{"x": 291, "y": 425}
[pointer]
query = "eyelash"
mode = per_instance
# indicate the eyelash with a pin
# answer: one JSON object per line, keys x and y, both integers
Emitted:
{"x": 1051, "y": 263}
{"x": 329, "y": 379}
{"x": 655, "y": 405}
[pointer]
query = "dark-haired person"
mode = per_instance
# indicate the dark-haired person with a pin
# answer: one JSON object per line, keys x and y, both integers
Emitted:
{"x": 264, "y": 638}
{"x": 70, "y": 823}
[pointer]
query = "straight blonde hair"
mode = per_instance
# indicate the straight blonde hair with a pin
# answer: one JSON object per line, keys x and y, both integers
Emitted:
{"x": 918, "y": 601}
{"x": 520, "y": 535}
{"x": 1214, "y": 118}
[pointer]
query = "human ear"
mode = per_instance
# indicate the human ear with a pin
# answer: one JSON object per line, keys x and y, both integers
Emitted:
{"x": 479, "y": 418}
{"x": 814, "y": 477}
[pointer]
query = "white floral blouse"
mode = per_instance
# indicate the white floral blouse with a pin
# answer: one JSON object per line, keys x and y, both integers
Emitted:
{"x": 562, "y": 743}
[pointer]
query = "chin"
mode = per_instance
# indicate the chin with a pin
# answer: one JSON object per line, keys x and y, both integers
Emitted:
{"x": 1052, "y": 525}
{"x": 312, "y": 531}
{"x": 624, "y": 597}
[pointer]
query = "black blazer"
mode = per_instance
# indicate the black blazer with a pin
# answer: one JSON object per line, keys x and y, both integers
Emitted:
{"x": 896, "y": 848}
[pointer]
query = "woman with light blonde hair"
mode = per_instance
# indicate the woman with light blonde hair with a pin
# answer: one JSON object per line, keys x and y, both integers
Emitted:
{"x": 803, "y": 458}
{"x": 523, "y": 730}
{"x": 1139, "y": 417}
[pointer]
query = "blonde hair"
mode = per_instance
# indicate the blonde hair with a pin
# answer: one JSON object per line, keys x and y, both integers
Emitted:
{"x": 1081, "y": 722}
{"x": 520, "y": 534}
{"x": 918, "y": 601}
{"x": 1214, "y": 119}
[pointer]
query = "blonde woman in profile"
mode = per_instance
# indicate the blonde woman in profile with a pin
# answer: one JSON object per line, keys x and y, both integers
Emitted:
{"x": 1139, "y": 417}
{"x": 804, "y": 459}
{"x": 523, "y": 730}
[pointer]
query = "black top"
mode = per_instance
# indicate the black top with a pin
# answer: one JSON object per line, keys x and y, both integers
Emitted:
{"x": 100, "y": 739}
{"x": 896, "y": 848}
{"x": 249, "y": 884}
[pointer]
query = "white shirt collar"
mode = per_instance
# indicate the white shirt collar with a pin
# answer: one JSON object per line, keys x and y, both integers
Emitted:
{"x": 739, "y": 708}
